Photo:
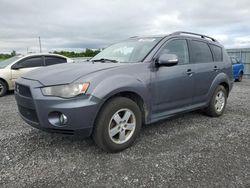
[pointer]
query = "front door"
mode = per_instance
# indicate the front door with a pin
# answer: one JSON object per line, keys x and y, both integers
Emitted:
{"x": 173, "y": 86}
{"x": 26, "y": 65}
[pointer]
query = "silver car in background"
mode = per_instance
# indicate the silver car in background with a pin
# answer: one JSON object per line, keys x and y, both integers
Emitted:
{"x": 17, "y": 66}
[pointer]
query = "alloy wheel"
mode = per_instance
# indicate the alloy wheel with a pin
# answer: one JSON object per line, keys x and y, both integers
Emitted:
{"x": 1, "y": 88}
{"x": 220, "y": 100}
{"x": 122, "y": 126}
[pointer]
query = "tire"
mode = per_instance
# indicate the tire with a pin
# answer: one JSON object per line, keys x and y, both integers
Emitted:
{"x": 111, "y": 125}
{"x": 218, "y": 102}
{"x": 240, "y": 77}
{"x": 3, "y": 88}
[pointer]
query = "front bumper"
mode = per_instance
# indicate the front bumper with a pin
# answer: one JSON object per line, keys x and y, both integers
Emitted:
{"x": 35, "y": 109}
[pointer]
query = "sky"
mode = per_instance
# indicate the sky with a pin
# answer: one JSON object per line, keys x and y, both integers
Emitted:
{"x": 79, "y": 24}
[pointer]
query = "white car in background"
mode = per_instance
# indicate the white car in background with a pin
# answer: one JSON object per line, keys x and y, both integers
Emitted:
{"x": 14, "y": 67}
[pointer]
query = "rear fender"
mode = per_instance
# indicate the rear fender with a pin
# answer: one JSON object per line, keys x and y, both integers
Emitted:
{"x": 219, "y": 79}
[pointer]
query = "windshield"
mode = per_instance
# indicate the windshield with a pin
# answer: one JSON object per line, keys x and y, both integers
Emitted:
{"x": 131, "y": 50}
{"x": 6, "y": 62}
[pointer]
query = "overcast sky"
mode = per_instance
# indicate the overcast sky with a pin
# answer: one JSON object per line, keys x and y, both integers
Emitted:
{"x": 75, "y": 25}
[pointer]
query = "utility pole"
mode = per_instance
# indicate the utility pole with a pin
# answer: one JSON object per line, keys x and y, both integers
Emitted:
{"x": 40, "y": 44}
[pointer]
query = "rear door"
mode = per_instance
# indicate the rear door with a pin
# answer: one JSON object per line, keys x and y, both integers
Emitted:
{"x": 206, "y": 69}
{"x": 173, "y": 86}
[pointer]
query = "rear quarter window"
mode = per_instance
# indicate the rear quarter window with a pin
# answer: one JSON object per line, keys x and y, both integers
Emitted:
{"x": 200, "y": 52}
{"x": 217, "y": 51}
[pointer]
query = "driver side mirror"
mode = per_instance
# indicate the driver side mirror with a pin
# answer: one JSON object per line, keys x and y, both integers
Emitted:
{"x": 16, "y": 66}
{"x": 167, "y": 60}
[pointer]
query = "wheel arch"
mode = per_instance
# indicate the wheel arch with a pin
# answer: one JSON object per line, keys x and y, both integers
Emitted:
{"x": 226, "y": 86}
{"x": 220, "y": 79}
{"x": 5, "y": 83}
{"x": 134, "y": 96}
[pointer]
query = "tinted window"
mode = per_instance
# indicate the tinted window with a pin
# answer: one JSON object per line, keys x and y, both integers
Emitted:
{"x": 49, "y": 60}
{"x": 217, "y": 51}
{"x": 179, "y": 48}
{"x": 32, "y": 62}
{"x": 200, "y": 52}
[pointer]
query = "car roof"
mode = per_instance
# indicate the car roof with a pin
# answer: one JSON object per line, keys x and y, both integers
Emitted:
{"x": 40, "y": 54}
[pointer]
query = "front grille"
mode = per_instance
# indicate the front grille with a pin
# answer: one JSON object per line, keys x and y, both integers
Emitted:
{"x": 29, "y": 114}
{"x": 23, "y": 90}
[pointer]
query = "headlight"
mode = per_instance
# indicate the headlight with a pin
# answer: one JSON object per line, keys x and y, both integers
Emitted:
{"x": 66, "y": 91}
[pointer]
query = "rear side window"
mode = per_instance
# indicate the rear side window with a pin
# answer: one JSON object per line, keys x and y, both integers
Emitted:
{"x": 50, "y": 60}
{"x": 200, "y": 52}
{"x": 32, "y": 62}
{"x": 217, "y": 51}
{"x": 179, "y": 48}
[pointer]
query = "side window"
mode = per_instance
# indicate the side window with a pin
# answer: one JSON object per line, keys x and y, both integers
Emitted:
{"x": 200, "y": 52}
{"x": 49, "y": 60}
{"x": 217, "y": 51}
{"x": 32, "y": 62}
{"x": 178, "y": 47}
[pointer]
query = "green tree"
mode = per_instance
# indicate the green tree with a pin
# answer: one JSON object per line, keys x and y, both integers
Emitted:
{"x": 86, "y": 53}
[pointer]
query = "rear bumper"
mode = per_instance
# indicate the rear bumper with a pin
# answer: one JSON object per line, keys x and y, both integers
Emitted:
{"x": 36, "y": 109}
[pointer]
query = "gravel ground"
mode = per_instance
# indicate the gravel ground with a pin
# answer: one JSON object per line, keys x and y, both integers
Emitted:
{"x": 191, "y": 150}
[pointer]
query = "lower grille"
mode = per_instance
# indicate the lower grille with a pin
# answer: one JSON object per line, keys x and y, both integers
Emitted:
{"x": 62, "y": 131}
{"x": 29, "y": 114}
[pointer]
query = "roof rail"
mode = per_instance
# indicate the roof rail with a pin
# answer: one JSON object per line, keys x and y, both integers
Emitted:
{"x": 196, "y": 34}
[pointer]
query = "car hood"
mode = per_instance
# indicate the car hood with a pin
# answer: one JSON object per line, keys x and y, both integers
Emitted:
{"x": 66, "y": 73}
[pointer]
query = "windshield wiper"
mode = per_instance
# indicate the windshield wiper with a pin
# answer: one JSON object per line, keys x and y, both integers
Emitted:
{"x": 103, "y": 60}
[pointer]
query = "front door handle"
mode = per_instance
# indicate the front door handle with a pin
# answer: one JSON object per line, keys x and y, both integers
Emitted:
{"x": 189, "y": 72}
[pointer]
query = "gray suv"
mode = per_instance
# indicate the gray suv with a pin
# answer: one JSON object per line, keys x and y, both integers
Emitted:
{"x": 137, "y": 81}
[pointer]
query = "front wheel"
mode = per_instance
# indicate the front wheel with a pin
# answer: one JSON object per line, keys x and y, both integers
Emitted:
{"x": 218, "y": 102}
{"x": 118, "y": 124}
{"x": 3, "y": 88}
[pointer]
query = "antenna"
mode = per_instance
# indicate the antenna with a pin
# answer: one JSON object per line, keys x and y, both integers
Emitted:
{"x": 40, "y": 45}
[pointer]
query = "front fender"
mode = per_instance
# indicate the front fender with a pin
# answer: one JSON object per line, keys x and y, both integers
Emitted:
{"x": 123, "y": 83}
{"x": 120, "y": 83}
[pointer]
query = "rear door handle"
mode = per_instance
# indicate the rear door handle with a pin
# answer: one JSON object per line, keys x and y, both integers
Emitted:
{"x": 216, "y": 68}
{"x": 189, "y": 72}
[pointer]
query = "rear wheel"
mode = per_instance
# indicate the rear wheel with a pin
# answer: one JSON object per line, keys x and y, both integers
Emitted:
{"x": 118, "y": 125}
{"x": 240, "y": 77}
{"x": 218, "y": 102}
{"x": 3, "y": 88}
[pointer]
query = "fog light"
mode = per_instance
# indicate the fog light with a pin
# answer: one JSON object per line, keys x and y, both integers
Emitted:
{"x": 57, "y": 119}
{"x": 63, "y": 119}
